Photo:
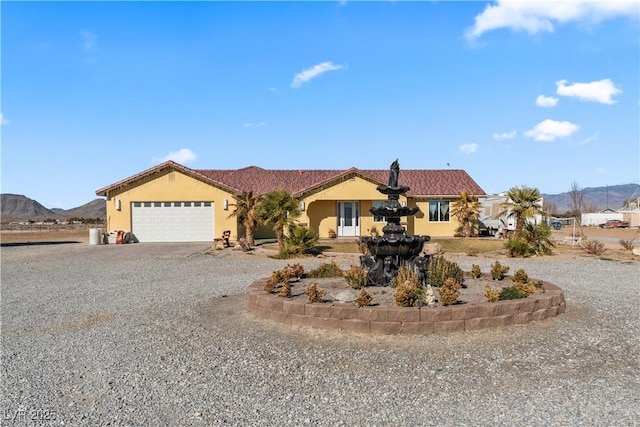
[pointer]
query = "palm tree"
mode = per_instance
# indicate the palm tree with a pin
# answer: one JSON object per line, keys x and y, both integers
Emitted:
{"x": 278, "y": 209}
{"x": 246, "y": 211}
{"x": 522, "y": 203}
{"x": 466, "y": 211}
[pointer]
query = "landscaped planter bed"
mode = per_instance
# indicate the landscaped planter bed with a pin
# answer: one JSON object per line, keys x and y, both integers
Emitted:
{"x": 471, "y": 313}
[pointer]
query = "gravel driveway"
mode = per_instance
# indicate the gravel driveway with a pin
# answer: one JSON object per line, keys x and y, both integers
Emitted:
{"x": 157, "y": 335}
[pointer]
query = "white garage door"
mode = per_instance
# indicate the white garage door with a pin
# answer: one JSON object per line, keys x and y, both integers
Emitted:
{"x": 172, "y": 221}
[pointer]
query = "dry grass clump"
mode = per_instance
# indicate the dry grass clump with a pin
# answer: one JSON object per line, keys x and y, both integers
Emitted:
{"x": 449, "y": 291}
{"x": 285, "y": 291}
{"x": 314, "y": 294}
{"x": 491, "y": 294}
{"x": 409, "y": 291}
{"x": 356, "y": 277}
{"x": 272, "y": 282}
{"x": 296, "y": 270}
{"x": 593, "y": 247}
{"x": 327, "y": 269}
{"x": 475, "y": 271}
{"x": 363, "y": 298}
{"x": 498, "y": 270}
{"x": 627, "y": 244}
{"x": 440, "y": 269}
{"x": 520, "y": 276}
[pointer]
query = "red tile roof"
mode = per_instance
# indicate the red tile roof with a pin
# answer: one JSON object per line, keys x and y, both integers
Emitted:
{"x": 422, "y": 182}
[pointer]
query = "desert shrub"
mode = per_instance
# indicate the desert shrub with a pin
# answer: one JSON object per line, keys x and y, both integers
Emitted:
{"x": 472, "y": 251}
{"x": 285, "y": 292}
{"x": 627, "y": 244}
{"x": 363, "y": 298}
{"x": 491, "y": 294}
{"x": 332, "y": 233}
{"x": 314, "y": 294}
{"x": 272, "y": 282}
{"x": 517, "y": 247}
{"x": 296, "y": 270}
{"x": 593, "y": 247}
{"x": 301, "y": 239}
{"x": 520, "y": 276}
{"x": 529, "y": 287}
{"x": 440, "y": 269}
{"x": 449, "y": 291}
{"x": 498, "y": 270}
{"x": 475, "y": 271}
{"x": 356, "y": 277}
{"x": 363, "y": 247}
{"x": 535, "y": 240}
{"x": 512, "y": 292}
{"x": 329, "y": 269}
{"x": 405, "y": 275}
{"x": 408, "y": 294}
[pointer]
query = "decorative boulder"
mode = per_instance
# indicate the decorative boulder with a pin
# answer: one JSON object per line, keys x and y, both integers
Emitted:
{"x": 432, "y": 249}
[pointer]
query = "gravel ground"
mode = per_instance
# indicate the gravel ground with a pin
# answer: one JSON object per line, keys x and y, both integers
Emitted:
{"x": 157, "y": 335}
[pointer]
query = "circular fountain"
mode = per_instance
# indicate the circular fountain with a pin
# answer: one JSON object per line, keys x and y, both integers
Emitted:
{"x": 394, "y": 248}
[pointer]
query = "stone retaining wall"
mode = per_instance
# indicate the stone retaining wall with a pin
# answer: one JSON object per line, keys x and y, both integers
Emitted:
{"x": 404, "y": 320}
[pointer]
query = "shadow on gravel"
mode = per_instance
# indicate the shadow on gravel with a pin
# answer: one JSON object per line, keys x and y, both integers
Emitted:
{"x": 57, "y": 242}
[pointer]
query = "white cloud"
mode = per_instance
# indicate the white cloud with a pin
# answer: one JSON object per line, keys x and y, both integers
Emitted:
{"x": 549, "y": 130}
{"x": 540, "y": 16}
{"x": 468, "y": 148}
{"x": 184, "y": 155}
{"x": 3, "y": 120}
{"x": 546, "y": 101}
{"x": 313, "y": 72}
{"x": 254, "y": 124}
{"x": 600, "y": 91}
{"x": 504, "y": 135}
{"x": 89, "y": 40}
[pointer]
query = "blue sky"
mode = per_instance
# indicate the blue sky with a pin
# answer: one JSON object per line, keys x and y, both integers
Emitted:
{"x": 514, "y": 92}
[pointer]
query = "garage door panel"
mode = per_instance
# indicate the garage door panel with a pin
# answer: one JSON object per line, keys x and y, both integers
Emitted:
{"x": 173, "y": 221}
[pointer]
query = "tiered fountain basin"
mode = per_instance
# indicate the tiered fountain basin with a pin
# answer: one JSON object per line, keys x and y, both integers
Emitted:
{"x": 405, "y": 246}
{"x": 391, "y": 320}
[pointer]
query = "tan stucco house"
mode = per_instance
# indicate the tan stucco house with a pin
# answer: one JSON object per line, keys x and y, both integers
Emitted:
{"x": 173, "y": 203}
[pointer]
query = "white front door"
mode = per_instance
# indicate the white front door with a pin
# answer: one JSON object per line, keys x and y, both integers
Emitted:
{"x": 349, "y": 218}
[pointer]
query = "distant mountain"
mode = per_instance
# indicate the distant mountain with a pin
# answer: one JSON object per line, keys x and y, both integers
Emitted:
{"x": 16, "y": 207}
{"x": 600, "y": 198}
{"x": 97, "y": 208}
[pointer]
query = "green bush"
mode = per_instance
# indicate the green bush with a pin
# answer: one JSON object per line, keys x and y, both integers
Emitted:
{"x": 300, "y": 239}
{"x": 512, "y": 292}
{"x": 535, "y": 240}
{"x": 440, "y": 269}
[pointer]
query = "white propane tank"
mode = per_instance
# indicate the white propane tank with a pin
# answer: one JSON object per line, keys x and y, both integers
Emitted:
{"x": 94, "y": 236}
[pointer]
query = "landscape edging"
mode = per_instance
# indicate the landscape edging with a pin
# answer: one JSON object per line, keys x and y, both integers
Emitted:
{"x": 391, "y": 320}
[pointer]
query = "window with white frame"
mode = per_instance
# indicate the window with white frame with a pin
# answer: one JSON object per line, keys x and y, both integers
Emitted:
{"x": 378, "y": 204}
{"x": 439, "y": 211}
